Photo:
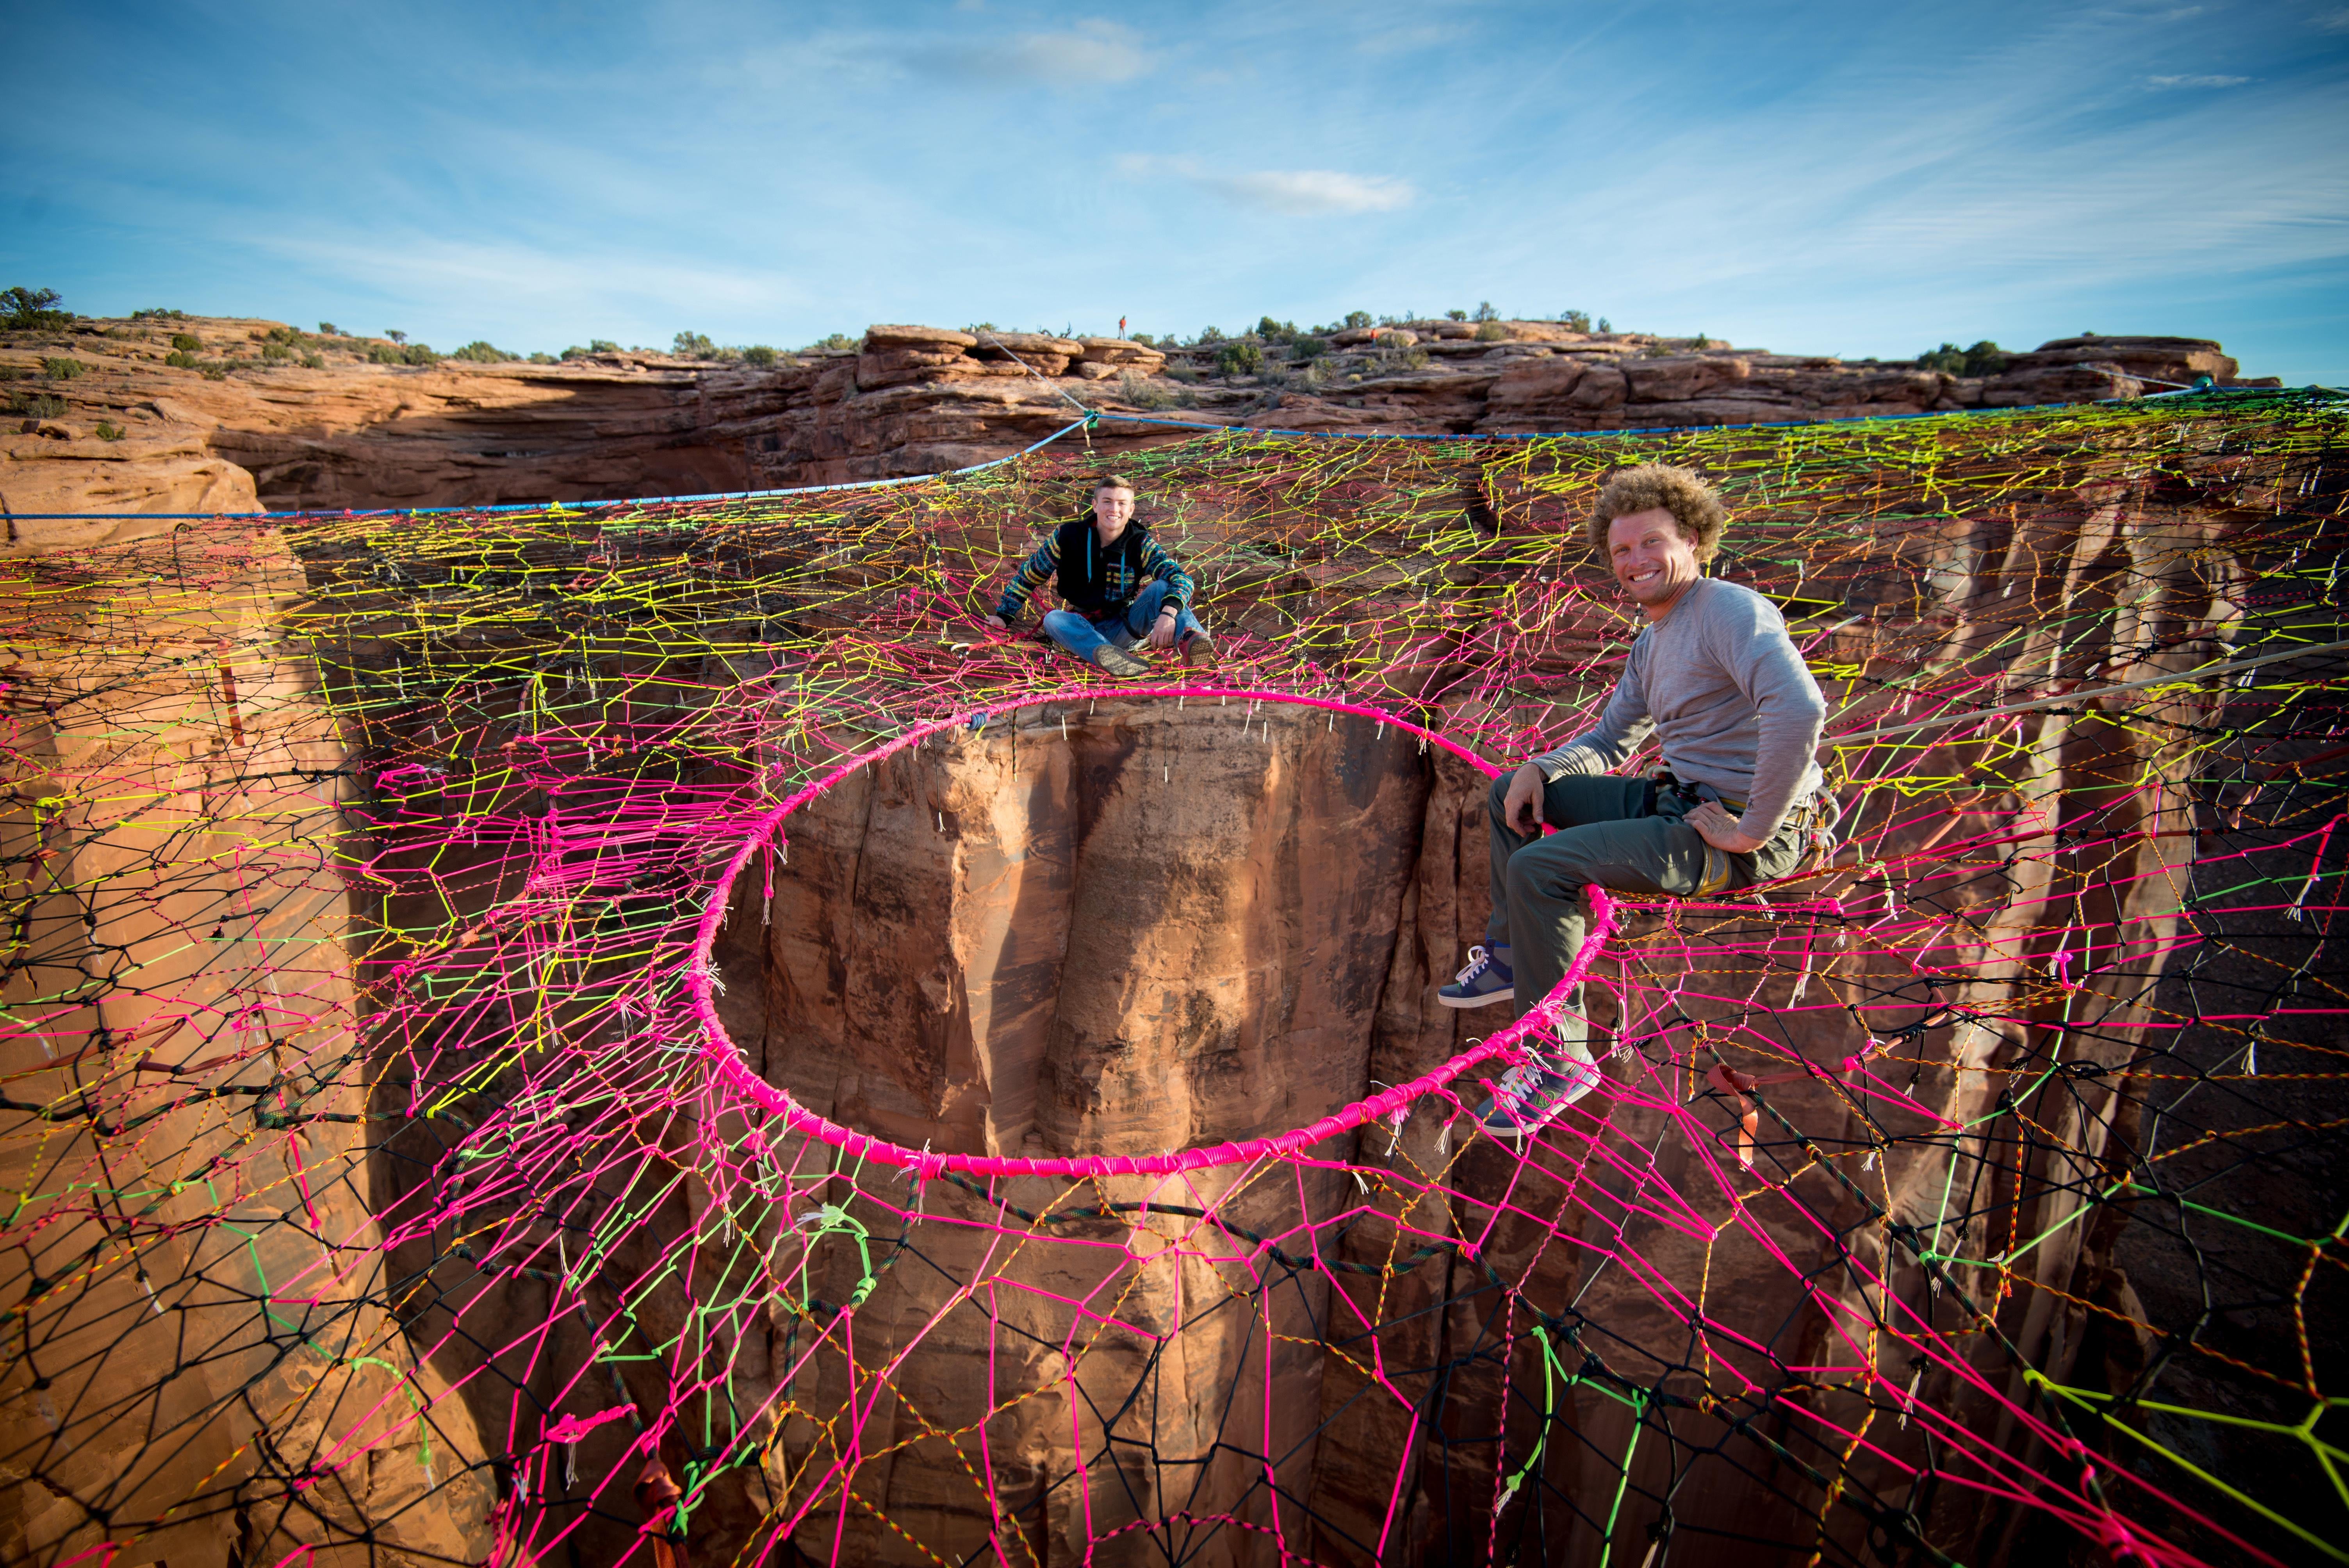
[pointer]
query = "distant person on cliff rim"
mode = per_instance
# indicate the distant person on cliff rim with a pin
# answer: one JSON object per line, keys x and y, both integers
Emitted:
{"x": 1118, "y": 585}
{"x": 1739, "y": 798}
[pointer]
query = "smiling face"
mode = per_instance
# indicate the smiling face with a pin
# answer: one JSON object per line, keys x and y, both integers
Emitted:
{"x": 1652, "y": 559}
{"x": 1112, "y": 509}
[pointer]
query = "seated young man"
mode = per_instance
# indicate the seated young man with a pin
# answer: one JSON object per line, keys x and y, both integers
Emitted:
{"x": 1738, "y": 800}
{"x": 1118, "y": 585}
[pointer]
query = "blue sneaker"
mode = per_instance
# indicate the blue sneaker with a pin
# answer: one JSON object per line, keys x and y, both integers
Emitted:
{"x": 1486, "y": 980}
{"x": 1531, "y": 1094}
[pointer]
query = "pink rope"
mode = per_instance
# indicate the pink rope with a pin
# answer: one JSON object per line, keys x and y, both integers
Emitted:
{"x": 736, "y": 1073}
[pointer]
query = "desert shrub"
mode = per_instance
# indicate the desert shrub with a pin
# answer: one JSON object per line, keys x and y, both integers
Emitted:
{"x": 157, "y": 313}
{"x": 1491, "y": 332}
{"x": 1606, "y": 326}
{"x": 314, "y": 362}
{"x": 1209, "y": 335}
{"x": 1241, "y": 358}
{"x": 10, "y": 373}
{"x": 1575, "y": 320}
{"x": 214, "y": 370}
{"x": 833, "y": 342}
{"x": 481, "y": 352}
{"x": 1183, "y": 373}
{"x": 1145, "y": 339}
{"x": 36, "y": 405}
{"x": 275, "y": 352}
{"x": 281, "y": 335}
{"x": 28, "y": 310}
{"x": 1703, "y": 340}
{"x": 62, "y": 369}
{"x": 1356, "y": 318}
{"x": 694, "y": 345}
{"x": 1984, "y": 358}
{"x": 187, "y": 343}
{"x": 1456, "y": 316}
{"x": 575, "y": 352}
{"x": 180, "y": 358}
{"x": 1273, "y": 331}
{"x": 408, "y": 353}
{"x": 1485, "y": 312}
{"x": 107, "y": 432}
{"x": 328, "y": 329}
{"x": 1308, "y": 347}
{"x": 542, "y": 358}
{"x": 1392, "y": 361}
{"x": 1139, "y": 391}
{"x": 758, "y": 355}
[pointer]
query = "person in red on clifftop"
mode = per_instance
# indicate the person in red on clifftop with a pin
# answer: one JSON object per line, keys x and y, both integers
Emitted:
{"x": 1119, "y": 585}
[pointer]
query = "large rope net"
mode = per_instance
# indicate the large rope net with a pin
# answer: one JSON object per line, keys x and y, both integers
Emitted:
{"x": 427, "y": 1138}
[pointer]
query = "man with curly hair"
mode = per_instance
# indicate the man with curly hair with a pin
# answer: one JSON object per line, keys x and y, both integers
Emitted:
{"x": 1738, "y": 799}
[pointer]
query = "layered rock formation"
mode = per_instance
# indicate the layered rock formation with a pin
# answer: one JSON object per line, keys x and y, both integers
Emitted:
{"x": 174, "y": 949}
{"x": 245, "y": 430}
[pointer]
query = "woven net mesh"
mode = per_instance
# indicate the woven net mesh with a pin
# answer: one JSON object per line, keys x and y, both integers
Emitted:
{"x": 389, "y": 1182}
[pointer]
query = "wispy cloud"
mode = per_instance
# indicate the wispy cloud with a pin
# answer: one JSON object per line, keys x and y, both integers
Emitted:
{"x": 1301, "y": 192}
{"x": 2163, "y": 83}
{"x": 1093, "y": 52}
{"x": 2334, "y": 21}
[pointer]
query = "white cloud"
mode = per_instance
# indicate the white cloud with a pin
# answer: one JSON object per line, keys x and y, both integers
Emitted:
{"x": 1094, "y": 51}
{"x": 2162, "y": 84}
{"x": 1304, "y": 192}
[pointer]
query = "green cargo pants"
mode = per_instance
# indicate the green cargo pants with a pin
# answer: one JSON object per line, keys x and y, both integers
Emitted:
{"x": 1625, "y": 835}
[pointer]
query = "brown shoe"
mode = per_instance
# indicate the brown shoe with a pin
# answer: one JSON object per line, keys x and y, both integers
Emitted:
{"x": 1116, "y": 661}
{"x": 1199, "y": 650}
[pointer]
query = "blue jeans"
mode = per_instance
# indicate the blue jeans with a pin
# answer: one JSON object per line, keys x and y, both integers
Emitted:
{"x": 1081, "y": 635}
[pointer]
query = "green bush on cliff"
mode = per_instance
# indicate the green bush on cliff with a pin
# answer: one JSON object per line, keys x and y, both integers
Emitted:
{"x": 187, "y": 343}
{"x": 31, "y": 310}
{"x": 36, "y": 405}
{"x": 481, "y": 352}
{"x": 157, "y": 313}
{"x": 1241, "y": 358}
{"x": 760, "y": 354}
{"x": 1984, "y": 358}
{"x": 1492, "y": 332}
{"x": 180, "y": 360}
{"x": 695, "y": 346}
{"x": 62, "y": 369}
{"x": 407, "y": 353}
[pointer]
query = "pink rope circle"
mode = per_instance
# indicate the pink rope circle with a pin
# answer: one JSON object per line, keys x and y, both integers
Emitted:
{"x": 734, "y": 1071}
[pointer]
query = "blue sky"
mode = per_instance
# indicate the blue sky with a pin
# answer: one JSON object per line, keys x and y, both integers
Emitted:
{"x": 1854, "y": 179}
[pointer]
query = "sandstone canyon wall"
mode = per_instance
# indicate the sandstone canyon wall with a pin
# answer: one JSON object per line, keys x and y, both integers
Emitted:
{"x": 247, "y": 432}
{"x": 1099, "y": 927}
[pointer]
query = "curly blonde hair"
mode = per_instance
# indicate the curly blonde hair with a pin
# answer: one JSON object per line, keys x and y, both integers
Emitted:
{"x": 1694, "y": 504}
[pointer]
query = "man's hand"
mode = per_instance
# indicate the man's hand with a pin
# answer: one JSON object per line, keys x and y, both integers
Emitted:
{"x": 1523, "y": 809}
{"x": 999, "y": 623}
{"x": 1162, "y": 632}
{"x": 1716, "y": 827}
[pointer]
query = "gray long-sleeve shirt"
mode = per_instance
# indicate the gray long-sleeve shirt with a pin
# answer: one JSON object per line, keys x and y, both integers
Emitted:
{"x": 1720, "y": 683}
